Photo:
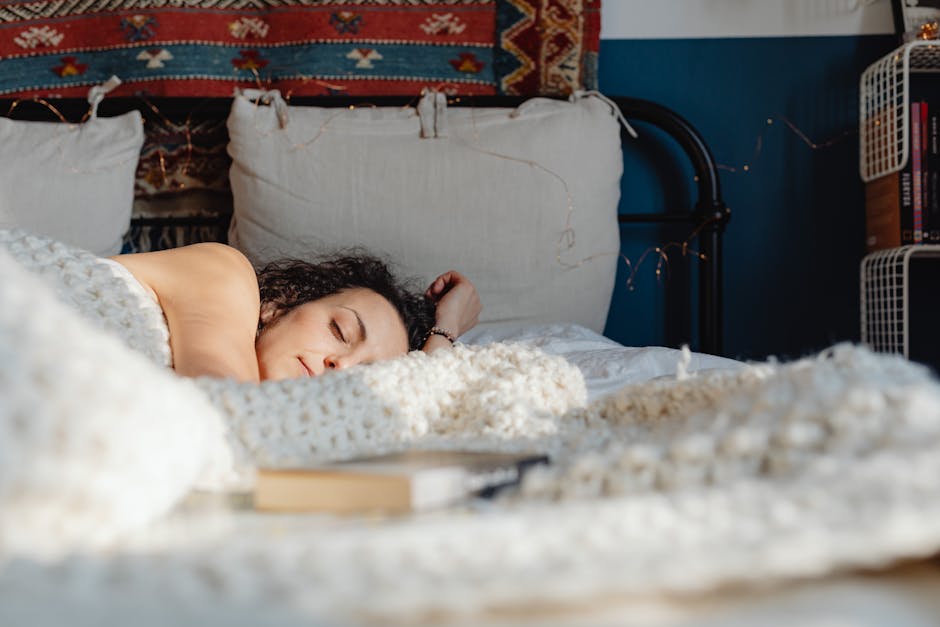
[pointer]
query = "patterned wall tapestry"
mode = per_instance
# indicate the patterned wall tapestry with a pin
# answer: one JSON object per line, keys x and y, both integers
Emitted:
{"x": 302, "y": 47}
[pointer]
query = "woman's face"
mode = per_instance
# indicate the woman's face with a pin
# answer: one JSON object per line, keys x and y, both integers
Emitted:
{"x": 355, "y": 326}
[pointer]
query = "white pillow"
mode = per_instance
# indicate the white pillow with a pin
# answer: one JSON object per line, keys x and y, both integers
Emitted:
{"x": 488, "y": 199}
{"x": 607, "y": 366}
{"x": 71, "y": 182}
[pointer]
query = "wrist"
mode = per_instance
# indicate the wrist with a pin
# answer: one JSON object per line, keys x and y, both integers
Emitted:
{"x": 434, "y": 342}
{"x": 442, "y": 332}
{"x": 448, "y": 324}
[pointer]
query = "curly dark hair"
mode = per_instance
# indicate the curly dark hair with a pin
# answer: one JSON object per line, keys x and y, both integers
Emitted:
{"x": 289, "y": 283}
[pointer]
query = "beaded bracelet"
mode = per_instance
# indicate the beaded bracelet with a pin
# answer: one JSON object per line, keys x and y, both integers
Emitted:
{"x": 442, "y": 332}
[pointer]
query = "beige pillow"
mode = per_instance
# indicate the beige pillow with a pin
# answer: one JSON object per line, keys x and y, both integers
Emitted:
{"x": 71, "y": 182}
{"x": 490, "y": 195}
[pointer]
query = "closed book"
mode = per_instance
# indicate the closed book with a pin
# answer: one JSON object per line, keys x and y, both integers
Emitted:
{"x": 917, "y": 174}
{"x": 889, "y": 211}
{"x": 395, "y": 483}
{"x": 932, "y": 208}
{"x": 924, "y": 169}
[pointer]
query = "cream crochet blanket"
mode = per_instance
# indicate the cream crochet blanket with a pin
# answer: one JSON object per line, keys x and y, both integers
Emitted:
{"x": 770, "y": 472}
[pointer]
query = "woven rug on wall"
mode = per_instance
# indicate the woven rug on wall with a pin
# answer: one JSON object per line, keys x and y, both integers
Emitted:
{"x": 302, "y": 47}
{"x": 182, "y": 176}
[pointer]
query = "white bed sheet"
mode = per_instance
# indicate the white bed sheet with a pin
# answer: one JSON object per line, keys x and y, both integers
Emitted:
{"x": 606, "y": 365}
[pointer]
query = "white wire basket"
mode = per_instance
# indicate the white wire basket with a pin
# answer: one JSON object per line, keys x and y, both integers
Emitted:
{"x": 884, "y": 107}
{"x": 886, "y": 297}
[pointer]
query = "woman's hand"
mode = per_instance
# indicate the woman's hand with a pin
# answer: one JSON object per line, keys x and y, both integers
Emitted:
{"x": 457, "y": 301}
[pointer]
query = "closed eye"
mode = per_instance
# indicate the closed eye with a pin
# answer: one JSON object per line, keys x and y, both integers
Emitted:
{"x": 337, "y": 332}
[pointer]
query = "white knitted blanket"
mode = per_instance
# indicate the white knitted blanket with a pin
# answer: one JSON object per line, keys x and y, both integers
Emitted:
{"x": 771, "y": 472}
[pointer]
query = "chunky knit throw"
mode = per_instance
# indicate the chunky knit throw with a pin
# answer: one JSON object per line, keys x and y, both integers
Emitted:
{"x": 771, "y": 472}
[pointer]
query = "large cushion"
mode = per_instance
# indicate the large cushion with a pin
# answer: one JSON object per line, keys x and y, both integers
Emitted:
{"x": 71, "y": 182}
{"x": 491, "y": 198}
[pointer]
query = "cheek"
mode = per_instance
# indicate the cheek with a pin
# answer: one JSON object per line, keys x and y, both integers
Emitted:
{"x": 276, "y": 355}
{"x": 397, "y": 343}
{"x": 299, "y": 331}
{"x": 305, "y": 332}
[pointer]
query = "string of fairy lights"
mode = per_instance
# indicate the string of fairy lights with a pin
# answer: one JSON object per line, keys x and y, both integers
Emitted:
{"x": 803, "y": 137}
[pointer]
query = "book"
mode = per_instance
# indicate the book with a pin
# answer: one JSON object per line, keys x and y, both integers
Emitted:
{"x": 932, "y": 205}
{"x": 920, "y": 226}
{"x": 889, "y": 210}
{"x": 917, "y": 175}
{"x": 409, "y": 481}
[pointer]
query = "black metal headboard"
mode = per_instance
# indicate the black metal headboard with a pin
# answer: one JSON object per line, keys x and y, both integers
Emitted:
{"x": 707, "y": 217}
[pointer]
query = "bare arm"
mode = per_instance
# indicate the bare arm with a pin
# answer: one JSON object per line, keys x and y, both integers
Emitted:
{"x": 458, "y": 307}
{"x": 209, "y": 294}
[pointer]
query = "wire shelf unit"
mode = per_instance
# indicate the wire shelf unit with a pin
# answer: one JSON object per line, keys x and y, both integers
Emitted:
{"x": 884, "y": 107}
{"x": 886, "y": 297}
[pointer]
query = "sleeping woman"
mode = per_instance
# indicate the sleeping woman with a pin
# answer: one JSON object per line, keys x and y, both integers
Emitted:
{"x": 294, "y": 318}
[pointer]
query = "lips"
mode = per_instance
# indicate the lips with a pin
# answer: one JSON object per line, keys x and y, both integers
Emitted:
{"x": 306, "y": 367}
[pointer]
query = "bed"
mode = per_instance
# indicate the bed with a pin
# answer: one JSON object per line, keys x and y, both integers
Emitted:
{"x": 687, "y": 489}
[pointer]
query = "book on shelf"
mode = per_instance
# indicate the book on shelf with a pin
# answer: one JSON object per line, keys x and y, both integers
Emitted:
{"x": 917, "y": 170}
{"x": 402, "y": 482}
{"x": 932, "y": 173}
{"x": 904, "y": 207}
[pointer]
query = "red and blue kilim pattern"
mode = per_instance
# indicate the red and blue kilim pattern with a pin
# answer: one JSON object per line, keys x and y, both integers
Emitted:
{"x": 302, "y": 47}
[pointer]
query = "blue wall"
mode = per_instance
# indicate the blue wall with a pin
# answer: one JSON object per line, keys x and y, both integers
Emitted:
{"x": 796, "y": 235}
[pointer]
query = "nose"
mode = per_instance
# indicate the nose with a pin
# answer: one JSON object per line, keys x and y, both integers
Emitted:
{"x": 336, "y": 362}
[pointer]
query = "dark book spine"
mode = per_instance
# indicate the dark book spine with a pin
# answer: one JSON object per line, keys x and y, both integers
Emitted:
{"x": 907, "y": 207}
{"x": 932, "y": 213}
{"x": 914, "y": 233}
{"x": 920, "y": 231}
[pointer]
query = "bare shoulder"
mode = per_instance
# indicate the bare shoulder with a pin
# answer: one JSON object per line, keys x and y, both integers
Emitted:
{"x": 207, "y": 257}
{"x": 209, "y": 294}
{"x": 197, "y": 262}
{"x": 225, "y": 257}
